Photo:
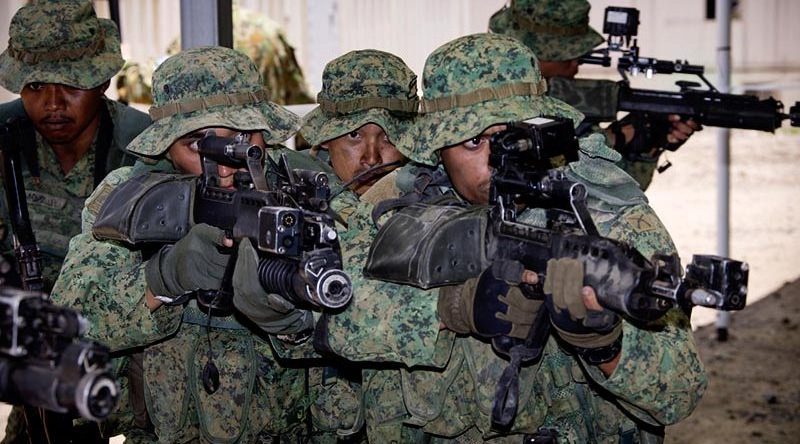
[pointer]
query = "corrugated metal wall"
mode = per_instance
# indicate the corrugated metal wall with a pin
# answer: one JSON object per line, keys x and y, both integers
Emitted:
{"x": 764, "y": 33}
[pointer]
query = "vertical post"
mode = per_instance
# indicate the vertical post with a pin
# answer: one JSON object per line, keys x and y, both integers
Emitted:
{"x": 723, "y": 8}
{"x": 206, "y": 23}
{"x": 113, "y": 10}
{"x": 323, "y": 39}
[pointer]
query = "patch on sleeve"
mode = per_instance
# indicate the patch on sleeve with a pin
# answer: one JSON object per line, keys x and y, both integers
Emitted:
{"x": 642, "y": 222}
{"x": 95, "y": 202}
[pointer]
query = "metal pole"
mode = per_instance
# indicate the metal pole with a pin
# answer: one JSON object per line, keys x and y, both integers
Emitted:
{"x": 723, "y": 14}
{"x": 206, "y": 23}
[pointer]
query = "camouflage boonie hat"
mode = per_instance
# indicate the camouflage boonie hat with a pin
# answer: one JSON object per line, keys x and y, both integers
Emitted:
{"x": 60, "y": 42}
{"x": 556, "y": 30}
{"x": 210, "y": 87}
{"x": 475, "y": 82}
{"x": 360, "y": 87}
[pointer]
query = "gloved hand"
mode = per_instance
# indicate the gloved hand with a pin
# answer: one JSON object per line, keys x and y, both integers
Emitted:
{"x": 584, "y": 329}
{"x": 489, "y": 305}
{"x": 195, "y": 262}
{"x": 270, "y": 312}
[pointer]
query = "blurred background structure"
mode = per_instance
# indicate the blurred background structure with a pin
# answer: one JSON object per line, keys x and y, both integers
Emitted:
{"x": 764, "y": 35}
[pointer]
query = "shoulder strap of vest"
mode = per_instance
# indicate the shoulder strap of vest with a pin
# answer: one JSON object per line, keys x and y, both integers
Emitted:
{"x": 103, "y": 145}
{"x": 425, "y": 189}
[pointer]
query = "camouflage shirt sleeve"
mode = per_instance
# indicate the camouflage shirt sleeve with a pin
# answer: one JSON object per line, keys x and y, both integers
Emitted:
{"x": 384, "y": 322}
{"x": 105, "y": 281}
{"x": 659, "y": 377}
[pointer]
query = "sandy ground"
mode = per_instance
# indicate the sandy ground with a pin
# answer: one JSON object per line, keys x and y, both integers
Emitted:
{"x": 754, "y": 391}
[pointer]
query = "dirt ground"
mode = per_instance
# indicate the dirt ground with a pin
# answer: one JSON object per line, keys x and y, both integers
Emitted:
{"x": 754, "y": 389}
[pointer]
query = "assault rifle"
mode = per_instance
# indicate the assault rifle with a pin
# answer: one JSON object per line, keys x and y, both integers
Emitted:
{"x": 45, "y": 364}
{"x": 288, "y": 221}
{"x": 27, "y": 271}
{"x": 289, "y": 224}
{"x": 705, "y": 106}
{"x": 642, "y": 289}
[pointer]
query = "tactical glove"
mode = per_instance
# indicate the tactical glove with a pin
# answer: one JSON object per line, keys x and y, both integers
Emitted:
{"x": 586, "y": 330}
{"x": 270, "y": 312}
{"x": 196, "y": 262}
{"x": 489, "y": 305}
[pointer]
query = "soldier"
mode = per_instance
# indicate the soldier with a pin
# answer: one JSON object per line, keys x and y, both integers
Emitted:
{"x": 558, "y": 32}
{"x": 367, "y": 102}
{"x": 619, "y": 382}
{"x": 60, "y": 59}
{"x": 134, "y": 297}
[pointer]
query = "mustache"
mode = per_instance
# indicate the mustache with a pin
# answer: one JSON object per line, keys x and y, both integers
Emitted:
{"x": 56, "y": 118}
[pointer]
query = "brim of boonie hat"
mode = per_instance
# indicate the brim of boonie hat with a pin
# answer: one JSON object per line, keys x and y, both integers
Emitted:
{"x": 84, "y": 73}
{"x": 441, "y": 129}
{"x": 318, "y": 128}
{"x": 274, "y": 121}
{"x": 546, "y": 47}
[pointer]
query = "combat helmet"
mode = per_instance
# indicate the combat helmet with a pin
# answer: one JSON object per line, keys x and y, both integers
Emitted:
{"x": 210, "y": 86}
{"x": 556, "y": 30}
{"x": 60, "y": 42}
{"x": 474, "y": 82}
{"x": 360, "y": 87}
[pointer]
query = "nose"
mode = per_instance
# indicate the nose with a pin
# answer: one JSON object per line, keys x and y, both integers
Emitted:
{"x": 226, "y": 175}
{"x": 372, "y": 154}
{"x": 53, "y": 97}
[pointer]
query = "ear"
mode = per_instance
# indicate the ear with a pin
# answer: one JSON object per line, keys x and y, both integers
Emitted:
{"x": 102, "y": 88}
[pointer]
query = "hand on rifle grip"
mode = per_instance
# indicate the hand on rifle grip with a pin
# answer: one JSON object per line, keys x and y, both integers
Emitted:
{"x": 196, "y": 262}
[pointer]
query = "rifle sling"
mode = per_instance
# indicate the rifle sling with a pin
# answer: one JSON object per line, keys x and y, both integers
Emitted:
{"x": 506, "y": 398}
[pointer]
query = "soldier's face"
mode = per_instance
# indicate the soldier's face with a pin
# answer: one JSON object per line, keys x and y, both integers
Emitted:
{"x": 184, "y": 155}
{"x": 467, "y": 165}
{"x": 63, "y": 114}
{"x": 565, "y": 68}
{"x": 359, "y": 150}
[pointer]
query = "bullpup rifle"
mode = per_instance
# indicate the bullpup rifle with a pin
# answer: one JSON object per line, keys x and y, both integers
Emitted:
{"x": 702, "y": 103}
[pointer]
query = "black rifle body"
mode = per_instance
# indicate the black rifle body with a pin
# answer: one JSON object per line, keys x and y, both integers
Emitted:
{"x": 288, "y": 225}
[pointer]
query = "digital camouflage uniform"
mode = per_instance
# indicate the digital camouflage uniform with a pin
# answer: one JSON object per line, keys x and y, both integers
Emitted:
{"x": 261, "y": 39}
{"x": 67, "y": 44}
{"x": 360, "y": 87}
{"x": 443, "y": 385}
{"x": 257, "y": 400}
{"x": 558, "y": 30}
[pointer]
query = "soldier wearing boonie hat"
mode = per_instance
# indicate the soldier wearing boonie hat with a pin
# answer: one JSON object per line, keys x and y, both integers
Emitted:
{"x": 558, "y": 32}
{"x": 60, "y": 58}
{"x": 197, "y": 90}
{"x": 553, "y": 29}
{"x": 447, "y": 386}
{"x": 366, "y": 105}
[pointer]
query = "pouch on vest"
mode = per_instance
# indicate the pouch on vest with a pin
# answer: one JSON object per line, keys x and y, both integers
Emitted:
{"x": 429, "y": 245}
{"x": 153, "y": 207}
